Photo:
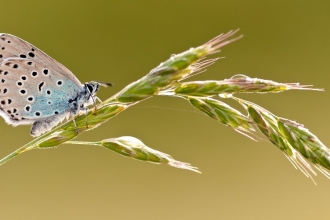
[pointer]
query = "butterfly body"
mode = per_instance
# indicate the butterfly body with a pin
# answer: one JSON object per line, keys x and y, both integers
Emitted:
{"x": 35, "y": 89}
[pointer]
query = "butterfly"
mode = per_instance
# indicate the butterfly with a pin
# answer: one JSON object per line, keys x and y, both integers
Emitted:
{"x": 36, "y": 89}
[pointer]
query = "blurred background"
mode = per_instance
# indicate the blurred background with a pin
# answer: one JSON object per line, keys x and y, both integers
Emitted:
{"x": 121, "y": 41}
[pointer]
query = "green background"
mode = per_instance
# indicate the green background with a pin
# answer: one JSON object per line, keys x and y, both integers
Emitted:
{"x": 120, "y": 41}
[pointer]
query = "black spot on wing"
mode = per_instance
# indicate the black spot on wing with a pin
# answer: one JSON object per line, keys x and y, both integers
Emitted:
{"x": 40, "y": 86}
{"x": 45, "y": 71}
{"x": 34, "y": 73}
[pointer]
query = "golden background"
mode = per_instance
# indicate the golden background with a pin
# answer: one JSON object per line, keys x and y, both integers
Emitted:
{"x": 120, "y": 41}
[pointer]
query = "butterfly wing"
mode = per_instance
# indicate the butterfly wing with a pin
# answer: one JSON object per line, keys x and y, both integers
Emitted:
{"x": 12, "y": 46}
{"x": 34, "y": 88}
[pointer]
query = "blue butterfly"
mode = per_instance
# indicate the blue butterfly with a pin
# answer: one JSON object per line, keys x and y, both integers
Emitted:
{"x": 36, "y": 89}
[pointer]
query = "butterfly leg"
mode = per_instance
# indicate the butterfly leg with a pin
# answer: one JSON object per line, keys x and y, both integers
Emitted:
{"x": 95, "y": 98}
{"x": 86, "y": 114}
{"x": 94, "y": 103}
{"x": 74, "y": 122}
{"x": 98, "y": 99}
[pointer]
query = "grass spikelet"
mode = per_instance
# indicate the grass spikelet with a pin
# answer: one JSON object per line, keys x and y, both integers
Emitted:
{"x": 136, "y": 149}
{"x": 299, "y": 145}
{"x": 222, "y": 112}
{"x": 236, "y": 84}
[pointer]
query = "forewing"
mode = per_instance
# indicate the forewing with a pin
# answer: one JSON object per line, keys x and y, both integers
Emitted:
{"x": 12, "y": 46}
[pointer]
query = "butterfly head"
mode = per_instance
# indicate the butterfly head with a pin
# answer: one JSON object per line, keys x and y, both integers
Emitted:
{"x": 85, "y": 97}
{"x": 92, "y": 87}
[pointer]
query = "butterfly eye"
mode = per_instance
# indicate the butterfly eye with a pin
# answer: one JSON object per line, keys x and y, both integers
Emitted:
{"x": 90, "y": 88}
